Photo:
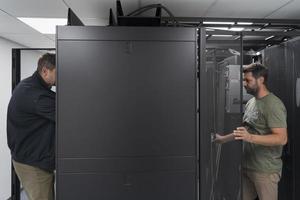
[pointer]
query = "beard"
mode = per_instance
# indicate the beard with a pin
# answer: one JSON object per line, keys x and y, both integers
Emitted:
{"x": 253, "y": 91}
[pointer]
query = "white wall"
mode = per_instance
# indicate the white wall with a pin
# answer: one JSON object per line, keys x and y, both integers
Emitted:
{"x": 28, "y": 66}
{"x": 29, "y": 62}
{"x": 5, "y": 89}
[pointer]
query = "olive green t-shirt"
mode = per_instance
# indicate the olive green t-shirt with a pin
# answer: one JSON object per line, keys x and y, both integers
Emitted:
{"x": 260, "y": 116}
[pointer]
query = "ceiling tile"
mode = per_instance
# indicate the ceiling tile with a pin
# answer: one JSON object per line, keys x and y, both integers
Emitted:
{"x": 9, "y": 24}
{"x": 31, "y": 40}
{"x": 290, "y": 11}
{"x": 35, "y": 8}
{"x": 244, "y": 8}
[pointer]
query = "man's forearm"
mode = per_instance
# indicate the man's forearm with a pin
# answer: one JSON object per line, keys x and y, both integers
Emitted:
{"x": 268, "y": 140}
{"x": 225, "y": 138}
{"x": 277, "y": 136}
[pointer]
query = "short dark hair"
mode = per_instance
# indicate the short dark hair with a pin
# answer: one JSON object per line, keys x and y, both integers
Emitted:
{"x": 258, "y": 70}
{"x": 47, "y": 60}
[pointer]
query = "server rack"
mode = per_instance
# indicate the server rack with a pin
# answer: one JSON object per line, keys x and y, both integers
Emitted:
{"x": 283, "y": 64}
{"x": 127, "y": 113}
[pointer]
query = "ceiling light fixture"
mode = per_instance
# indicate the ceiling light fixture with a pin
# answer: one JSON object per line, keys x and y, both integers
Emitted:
{"x": 44, "y": 25}
{"x": 222, "y": 35}
{"x": 230, "y": 23}
{"x": 220, "y": 28}
{"x": 236, "y": 29}
{"x": 245, "y": 23}
{"x": 270, "y": 37}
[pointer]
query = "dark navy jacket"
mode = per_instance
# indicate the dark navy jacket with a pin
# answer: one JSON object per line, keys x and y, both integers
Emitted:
{"x": 31, "y": 123}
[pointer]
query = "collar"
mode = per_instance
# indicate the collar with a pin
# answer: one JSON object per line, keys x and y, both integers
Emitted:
{"x": 36, "y": 75}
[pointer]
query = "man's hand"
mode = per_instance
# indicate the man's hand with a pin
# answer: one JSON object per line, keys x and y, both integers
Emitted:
{"x": 241, "y": 133}
{"x": 219, "y": 138}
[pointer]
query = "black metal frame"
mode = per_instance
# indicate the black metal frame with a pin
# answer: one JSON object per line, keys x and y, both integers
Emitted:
{"x": 16, "y": 78}
{"x": 241, "y": 98}
{"x": 213, "y": 19}
{"x": 286, "y": 24}
{"x": 256, "y": 33}
{"x": 203, "y": 102}
{"x": 281, "y": 30}
{"x": 16, "y": 75}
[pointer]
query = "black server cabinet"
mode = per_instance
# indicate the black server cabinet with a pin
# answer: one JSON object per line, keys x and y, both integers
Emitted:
{"x": 127, "y": 121}
{"x": 291, "y": 100}
{"x": 284, "y": 71}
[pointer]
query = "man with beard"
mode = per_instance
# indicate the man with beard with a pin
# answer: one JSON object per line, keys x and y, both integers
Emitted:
{"x": 264, "y": 133}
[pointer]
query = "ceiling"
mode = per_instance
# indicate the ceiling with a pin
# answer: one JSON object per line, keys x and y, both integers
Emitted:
{"x": 95, "y": 12}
